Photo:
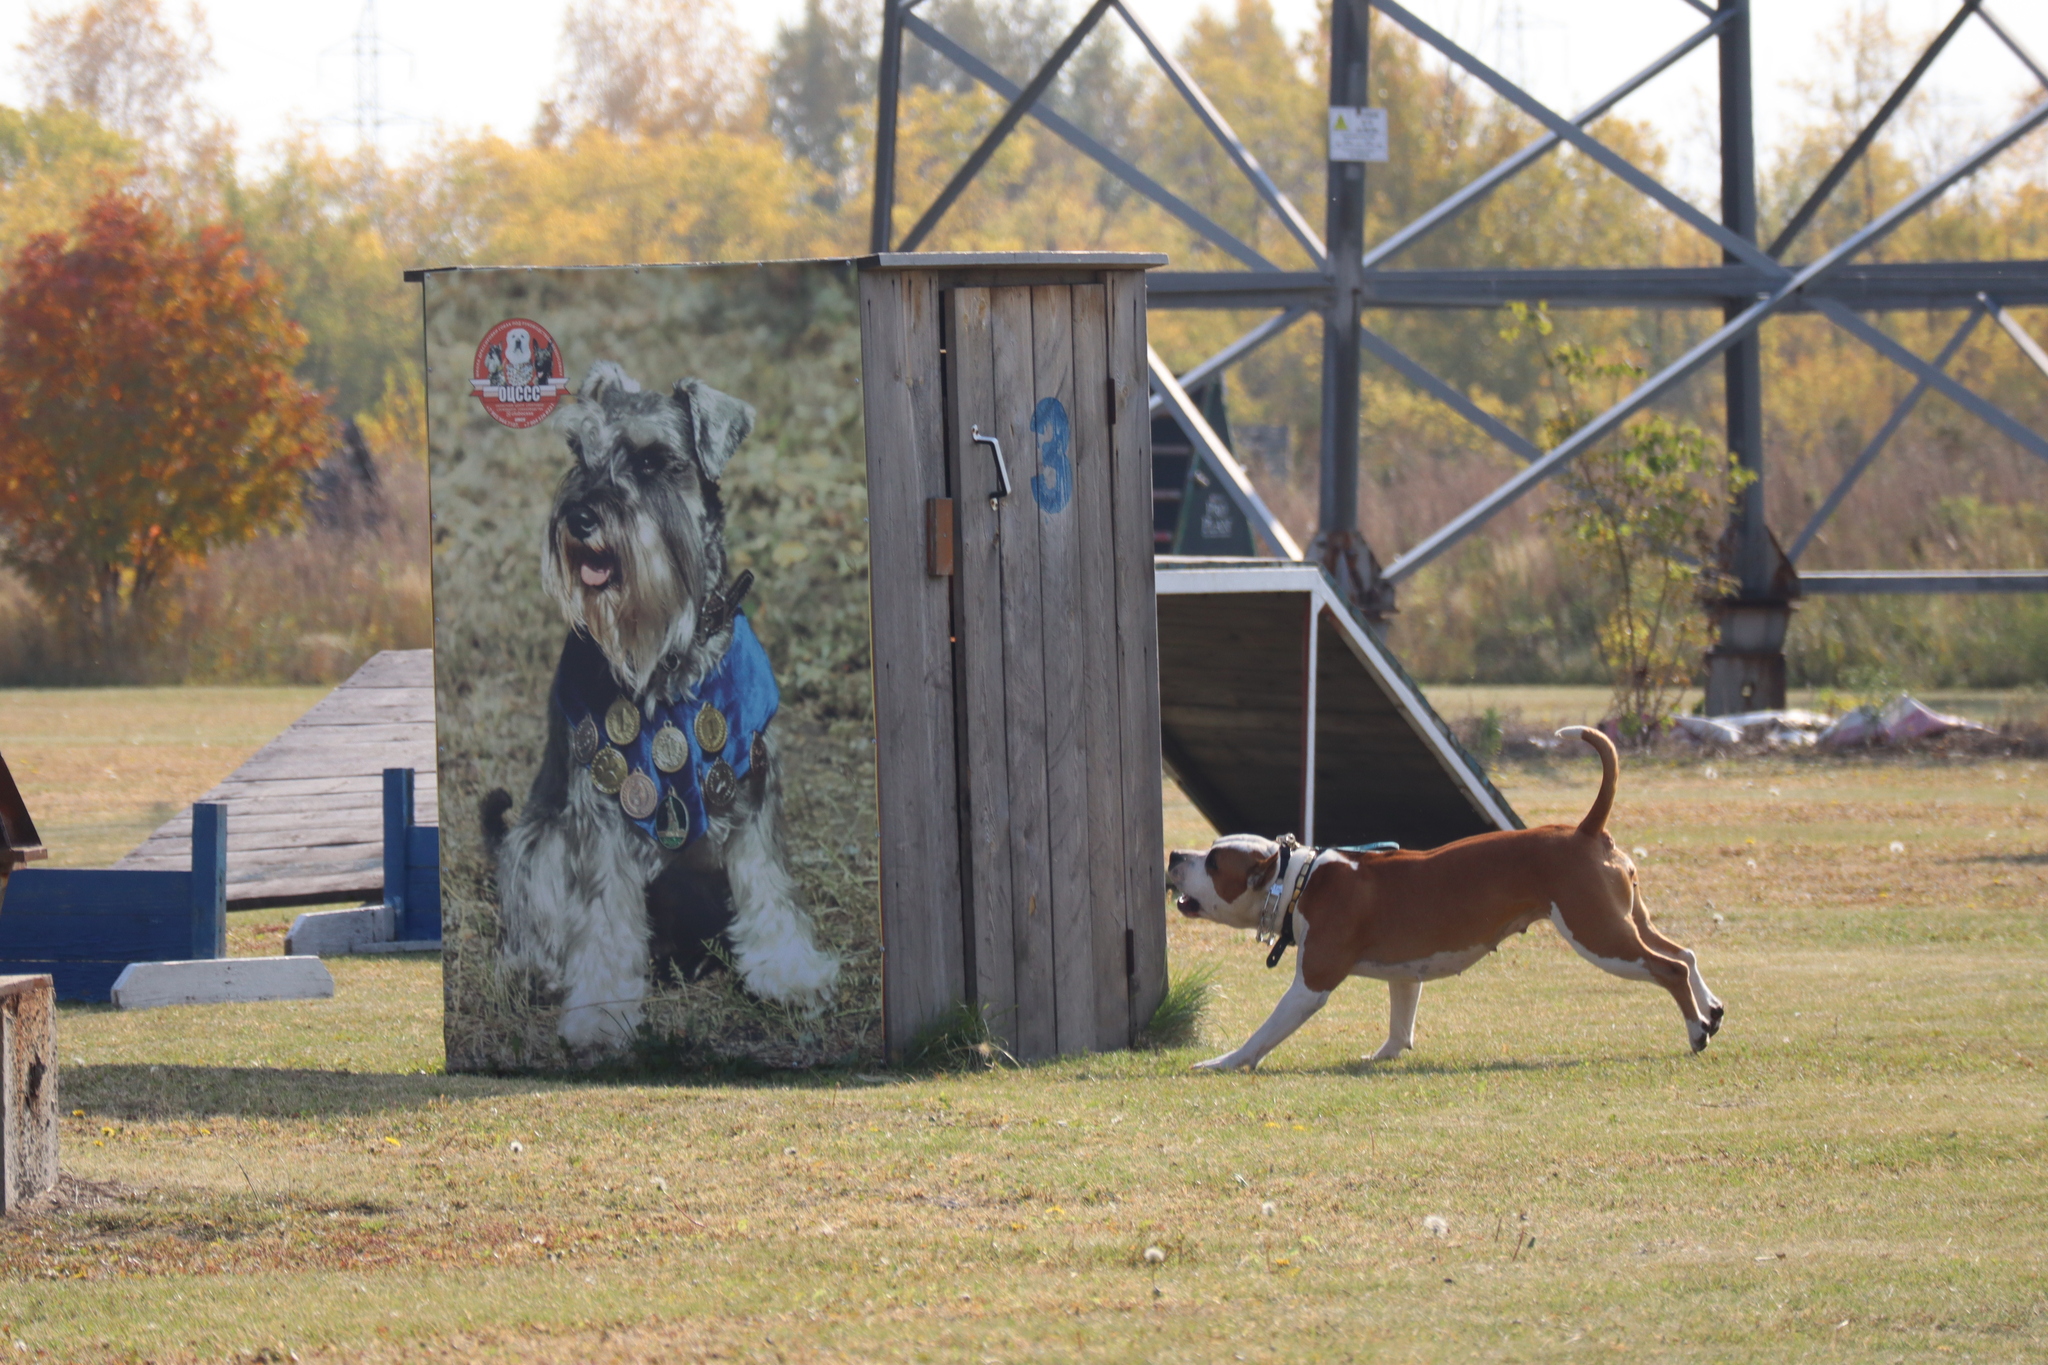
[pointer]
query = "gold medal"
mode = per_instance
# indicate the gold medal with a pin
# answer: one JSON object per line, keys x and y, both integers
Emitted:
{"x": 759, "y": 752}
{"x": 583, "y": 742}
{"x": 673, "y": 829}
{"x": 712, "y": 731}
{"x": 622, "y": 722}
{"x": 608, "y": 770}
{"x": 721, "y": 788}
{"x": 671, "y": 749}
{"x": 638, "y": 794}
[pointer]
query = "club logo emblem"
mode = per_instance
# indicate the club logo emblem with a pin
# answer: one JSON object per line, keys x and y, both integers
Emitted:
{"x": 519, "y": 375}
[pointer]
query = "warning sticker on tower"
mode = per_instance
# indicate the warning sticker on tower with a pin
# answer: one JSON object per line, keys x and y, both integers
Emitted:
{"x": 1357, "y": 134}
{"x": 518, "y": 375}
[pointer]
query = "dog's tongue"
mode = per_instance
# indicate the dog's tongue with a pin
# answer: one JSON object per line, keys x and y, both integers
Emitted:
{"x": 594, "y": 576}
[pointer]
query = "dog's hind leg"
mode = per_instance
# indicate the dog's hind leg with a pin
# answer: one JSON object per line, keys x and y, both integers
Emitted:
{"x": 1402, "y": 998}
{"x": 1609, "y": 941}
{"x": 1709, "y": 1004}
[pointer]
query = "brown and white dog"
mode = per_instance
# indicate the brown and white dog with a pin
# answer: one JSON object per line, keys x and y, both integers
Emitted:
{"x": 1409, "y": 917}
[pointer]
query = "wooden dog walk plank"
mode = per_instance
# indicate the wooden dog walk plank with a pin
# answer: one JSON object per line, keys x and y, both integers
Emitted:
{"x": 1236, "y": 696}
{"x": 306, "y": 812}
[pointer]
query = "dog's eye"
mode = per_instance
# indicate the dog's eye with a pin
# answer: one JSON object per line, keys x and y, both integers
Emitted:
{"x": 648, "y": 461}
{"x": 576, "y": 446}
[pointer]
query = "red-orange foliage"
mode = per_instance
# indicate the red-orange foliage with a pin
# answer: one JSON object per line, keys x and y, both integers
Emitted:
{"x": 148, "y": 413}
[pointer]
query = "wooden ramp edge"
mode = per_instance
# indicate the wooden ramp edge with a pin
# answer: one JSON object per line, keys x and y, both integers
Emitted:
{"x": 1249, "y": 652}
{"x": 306, "y": 812}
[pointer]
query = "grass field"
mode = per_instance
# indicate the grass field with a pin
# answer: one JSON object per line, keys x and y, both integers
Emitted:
{"x": 1853, "y": 1171}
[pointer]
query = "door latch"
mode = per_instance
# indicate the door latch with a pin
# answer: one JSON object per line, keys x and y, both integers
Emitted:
{"x": 1002, "y": 469}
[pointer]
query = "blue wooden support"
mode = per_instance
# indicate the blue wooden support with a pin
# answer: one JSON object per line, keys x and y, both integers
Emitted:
{"x": 412, "y": 862}
{"x": 83, "y": 927}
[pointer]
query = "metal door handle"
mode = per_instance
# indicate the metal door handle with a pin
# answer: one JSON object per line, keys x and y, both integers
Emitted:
{"x": 1002, "y": 469}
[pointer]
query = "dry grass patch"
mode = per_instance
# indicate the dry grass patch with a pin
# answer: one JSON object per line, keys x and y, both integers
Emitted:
{"x": 1851, "y": 1172}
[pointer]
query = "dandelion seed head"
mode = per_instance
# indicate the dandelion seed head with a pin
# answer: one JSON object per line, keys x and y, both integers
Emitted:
{"x": 1898, "y": 847}
{"x": 660, "y": 1184}
{"x": 1639, "y": 852}
{"x": 516, "y": 1146}
{"x": 1435, "y": 1226}
{"x": 789, "y": 1151}
{"x": 1153, "y": 1256}
{"x": 1268, "y": 1209}
{"x": 1719, "y": 918}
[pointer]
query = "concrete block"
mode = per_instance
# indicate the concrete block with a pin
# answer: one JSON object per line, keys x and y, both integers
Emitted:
{"x": 221, "y": 981}
{"x": 337, "y": 933}
{"x": 28, "y": 1089}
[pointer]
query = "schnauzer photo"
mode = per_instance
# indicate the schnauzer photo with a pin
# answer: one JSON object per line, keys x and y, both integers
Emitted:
{"x": 656, "y": 777}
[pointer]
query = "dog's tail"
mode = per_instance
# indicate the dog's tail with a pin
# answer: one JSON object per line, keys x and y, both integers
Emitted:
{"x": 496, "y": 802}
{"x": 1610, "y": 772}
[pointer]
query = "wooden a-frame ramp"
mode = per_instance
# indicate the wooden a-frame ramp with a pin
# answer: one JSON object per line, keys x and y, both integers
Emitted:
{"x": 306, "y": 813}
{"x": 1266, "y": 675}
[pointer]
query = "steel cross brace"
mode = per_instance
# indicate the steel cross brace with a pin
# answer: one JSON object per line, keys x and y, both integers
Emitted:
{"x": 1580, "y": 139}
{"x": 1212, "y": 119}
{"x": 1734, "y": 330}
{"x": 1088, "y": 146}
{"x": 1021, "y": 105}
{"x": 1879, "y": 441}
{"x": 1478, "y": 189}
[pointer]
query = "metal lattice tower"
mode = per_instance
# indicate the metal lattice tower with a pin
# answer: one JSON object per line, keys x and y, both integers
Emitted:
{"x": 1750, "y": 286}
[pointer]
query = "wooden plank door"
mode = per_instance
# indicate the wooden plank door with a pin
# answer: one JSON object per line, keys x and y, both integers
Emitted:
{"x": 1039, "y": 666}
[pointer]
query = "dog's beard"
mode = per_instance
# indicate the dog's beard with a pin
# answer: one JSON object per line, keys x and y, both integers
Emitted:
{"x": 626, "y": 590}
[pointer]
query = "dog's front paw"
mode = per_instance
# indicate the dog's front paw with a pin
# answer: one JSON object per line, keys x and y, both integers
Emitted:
{"x": 1387, "y": 1053}
{"x": 1228, "y": 1062}
{"x": 794, "y": 972}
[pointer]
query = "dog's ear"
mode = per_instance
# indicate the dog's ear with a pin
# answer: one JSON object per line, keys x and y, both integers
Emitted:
{"x": 1263, "y": 872}
{"x": 606, "y": 376}
{"x": 717, "y": 423}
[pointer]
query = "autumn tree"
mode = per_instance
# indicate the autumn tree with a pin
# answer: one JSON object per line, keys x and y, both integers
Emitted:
{"x": 136, "y": 71}
{"x": 150, "y": 416}
{"x": 649, "y": 68}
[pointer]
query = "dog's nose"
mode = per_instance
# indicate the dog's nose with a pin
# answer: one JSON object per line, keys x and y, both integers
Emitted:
{"x": 582, "y": 522}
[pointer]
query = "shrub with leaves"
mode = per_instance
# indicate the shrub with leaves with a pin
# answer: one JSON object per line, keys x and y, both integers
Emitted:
{"x": 1641, "y": 513}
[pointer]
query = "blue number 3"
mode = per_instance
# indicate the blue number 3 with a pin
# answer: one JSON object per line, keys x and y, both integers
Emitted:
{"x": 1049, "y": 425}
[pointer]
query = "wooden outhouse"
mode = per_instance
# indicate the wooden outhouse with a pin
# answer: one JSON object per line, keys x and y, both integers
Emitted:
{"x": 1015, "y": 644}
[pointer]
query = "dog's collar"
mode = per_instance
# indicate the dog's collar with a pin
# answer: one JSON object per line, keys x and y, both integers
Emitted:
{"x": 1283, "y": 893}
{"x": 1276, "y": 916}
{"x": 720, "y": 606}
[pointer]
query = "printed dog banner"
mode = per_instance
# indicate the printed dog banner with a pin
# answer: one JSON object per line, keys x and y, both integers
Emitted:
{"x": 657, "y": 771}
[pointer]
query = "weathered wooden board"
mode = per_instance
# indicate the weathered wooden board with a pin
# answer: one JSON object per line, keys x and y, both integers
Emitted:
{"x": 1094, "y": 491}
{"x": 922, "y": 924}
{"x": 28, "y": 1089}
{"x": 306, "y": 812}
{"x": 1060, "y": 569}
{"x": 1234, "y": 694}
{"x": 1137, "y": 627}
{"x": 1033, "y": 1033}
{"x": 978, "y": 658}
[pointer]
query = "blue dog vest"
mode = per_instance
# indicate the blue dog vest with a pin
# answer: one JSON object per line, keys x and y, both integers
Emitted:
{"x": 740, "y": 691}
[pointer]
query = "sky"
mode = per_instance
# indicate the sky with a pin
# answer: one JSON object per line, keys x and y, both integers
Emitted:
{"x": 464, "y": 67}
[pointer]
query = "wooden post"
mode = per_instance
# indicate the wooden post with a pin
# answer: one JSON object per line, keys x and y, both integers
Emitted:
{"x": 209, "y": 880}
{"x": 28, "y": 1089}
{"x": 397, "y": 820}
